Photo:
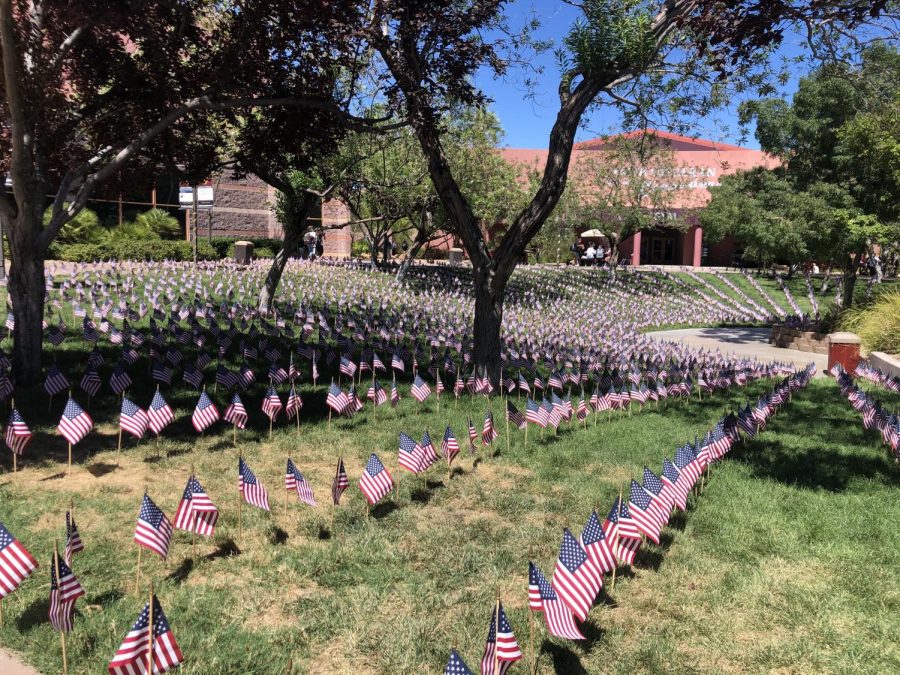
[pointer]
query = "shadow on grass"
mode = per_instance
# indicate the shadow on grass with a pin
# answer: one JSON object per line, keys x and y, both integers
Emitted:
{"x": 383, "y": 510}
{"x": 179, "y": 574}
{"x": 423, "y": 495}
{"x": 277, "y": 535}
{"x": 106, "y": 599}
{"x": 564, "y": 658}
{"x": 101, "y": 469}
{"x": 34, "y": 615}
{"x": 226, "y": 549}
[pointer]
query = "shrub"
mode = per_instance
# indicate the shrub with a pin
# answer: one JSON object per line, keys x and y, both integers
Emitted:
{"x": 263, "y": 252}
{"x": 84, "y": 228}
{"x": 360, "y": 249}
{"x": 159, "y": 222}
{"x": 878, "y": 323}
{"x": 134, "y": 249}
{"x": 224, "y": 246}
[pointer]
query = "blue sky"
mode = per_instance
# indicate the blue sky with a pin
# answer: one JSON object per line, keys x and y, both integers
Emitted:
{"x": 527, "y": 120}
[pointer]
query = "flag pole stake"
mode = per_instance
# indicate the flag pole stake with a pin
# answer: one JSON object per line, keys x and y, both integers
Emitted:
{"x": 506, "y": 416}
{"x": 531, "y": 641}
{"x": 150, "y": 633}
{"x": 62, "y": 633}
{"x": 137, "y": 578}
{"x": 69, "y": 470}
{"x": 497, "y": 634}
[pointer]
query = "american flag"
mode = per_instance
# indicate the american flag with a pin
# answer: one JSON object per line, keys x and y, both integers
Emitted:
{"x": 226, "y": 379}
{"x": 64, "y": 591}
{"x": 376, "y": 393}
{"x": 673, "y": 491}
{"x": 153, "y": 529}
{"x": 295, "y": 482}
{"x": 192, "y": 375}
{"x": 514, "y": 416}
{"x": 236, "y": 413}
{"x": 473, "y": 435}
{"x": 250, "y": 488}
{"x": 131, "y": 658}
{"x": 17, "y": 435}
{"x": 16, "y": 563}
{"x": 395, "y": 394}
{"x": 576, "y": 580}
{"x": 688, "y": 466}
{"x": 449, "y": 446}
{"x": 542, "y": 598}
{"x": 132, "y": 419}
{"x": 376, "y": 481}
{"x": 160, "y": 413}
{"x": 75, "y": 423}
{"x": 347, "y": 368}
{"x": 488, "y": 433}
{"x": 90, "y": 383}
{"x": 535, "y": 413}
{"x": 196, "y": 512}
{"x": 660, "y": 506}
{"x": 340, "y": 483}
{"x": 456, "y": 665}
{"x": 73, "y": 539}
{"x": 120, "y": 380}
{"x": 161, "y": 373}
{"x": 409, "y": 456}
{"x": 420, "y": 389}
{"x": 427, "y": 452}
{"x": 639, "y": 501}
{"x": 628, "y": 538}
{"x": 336, "y": 400}
{"x": 501, "y": 645}
{"x": 594, "y": 541}
{"x": 205, "y": 413}
{"x": 271, "y": 405}
{"x": 294, "y": 403}
{"x": 397, "y": 362}
{"x": 245, "y": 376}
{"x": 523, "y": 384}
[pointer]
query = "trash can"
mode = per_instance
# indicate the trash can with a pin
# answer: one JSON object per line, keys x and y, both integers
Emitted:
{"x": 843, "y": 348}
{"x": 243, "y": 252}
{"x": 455, "y": 256}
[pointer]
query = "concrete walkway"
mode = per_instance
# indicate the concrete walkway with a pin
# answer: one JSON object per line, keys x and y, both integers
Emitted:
{"x": 11, "y": 665}
{"x": 742, "y": 342}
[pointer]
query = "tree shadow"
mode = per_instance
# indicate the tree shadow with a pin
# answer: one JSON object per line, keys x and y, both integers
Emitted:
{"x": 221, "y": 445}
{"x": 324, "y": 533}
{"x": 106, "y": 598}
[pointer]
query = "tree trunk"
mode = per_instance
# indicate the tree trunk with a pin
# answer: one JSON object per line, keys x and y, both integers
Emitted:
{"x": 851, "y": 268}
{"x": 489, "y": 291}
{"x": 26, "y": 292}
{"x": 297, "y": 210}
{"x": 410, "y": 257}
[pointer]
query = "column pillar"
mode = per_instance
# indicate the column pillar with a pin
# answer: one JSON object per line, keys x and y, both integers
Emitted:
{"x": 636, "y": 249}
{"x": 698, "y": 245}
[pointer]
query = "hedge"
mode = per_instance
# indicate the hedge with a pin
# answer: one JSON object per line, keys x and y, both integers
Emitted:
{"x": 134, "y": 249}
{"x": 225, "y": 245}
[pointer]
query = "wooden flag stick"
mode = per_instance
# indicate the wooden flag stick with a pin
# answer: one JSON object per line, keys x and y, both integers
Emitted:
{"x": 497, "y": 634}
{"x": 286, "y": 494}
{"x": 1, "y": 612}
{"x": 15, "y": 462}
{"x": 270, "y": 426}
{"x": 526, "y": 434}
{"x": 506, "y": 417}
{"x": 69, "y": 470}
{"x": 137, "y": 577}
{"x": 62, "y": 633}
{"x": 531, "y": 640}
{"x": 234, "y": 434}
{"x": 150, "y": 633}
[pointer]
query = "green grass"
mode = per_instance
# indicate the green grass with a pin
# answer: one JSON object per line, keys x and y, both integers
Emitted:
{"x": 787, "y": 562}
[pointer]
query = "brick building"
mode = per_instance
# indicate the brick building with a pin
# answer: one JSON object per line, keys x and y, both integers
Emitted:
{"x": 245, "y": 209}
{"x": 700, "y": 164}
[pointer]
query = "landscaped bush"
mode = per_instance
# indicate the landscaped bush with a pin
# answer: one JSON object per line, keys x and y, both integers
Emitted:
{"x": 160, "y": 223}
{"x": 84, "y": 228}
{"x": 878, "y": 323}
{"x": 224, "y": 246}
{"x": 133, "y": 249}
{"x": 263, "y": 252}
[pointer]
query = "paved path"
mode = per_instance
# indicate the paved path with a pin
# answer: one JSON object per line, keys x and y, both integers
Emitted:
{"x": 11, "y": 665}
{"x": 742, "y": 342}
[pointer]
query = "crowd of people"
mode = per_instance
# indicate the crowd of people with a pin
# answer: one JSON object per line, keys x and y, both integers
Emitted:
{"x": 590, "y": 254}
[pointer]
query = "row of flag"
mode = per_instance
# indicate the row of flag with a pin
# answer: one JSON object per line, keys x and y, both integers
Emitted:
{"x": 567, "y": 598}
{"x": 874, "y": 415}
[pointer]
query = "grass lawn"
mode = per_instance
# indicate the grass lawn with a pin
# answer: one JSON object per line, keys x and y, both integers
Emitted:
{"x": 787, "y": 562}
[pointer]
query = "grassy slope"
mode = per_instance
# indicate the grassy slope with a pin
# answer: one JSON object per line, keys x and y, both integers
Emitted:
{"x": 788, "y": 561}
